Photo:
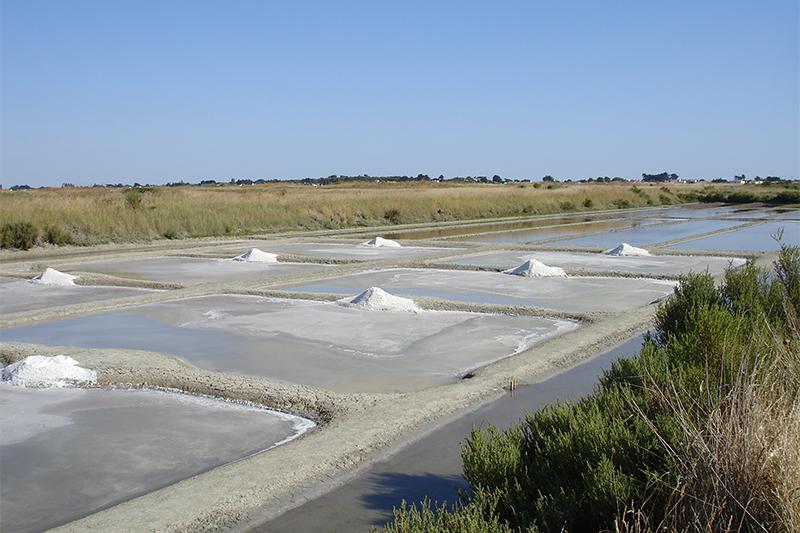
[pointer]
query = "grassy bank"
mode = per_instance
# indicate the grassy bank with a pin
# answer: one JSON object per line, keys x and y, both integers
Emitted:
{"x": 91, "y": 216}
{"x": 700, "y": 432}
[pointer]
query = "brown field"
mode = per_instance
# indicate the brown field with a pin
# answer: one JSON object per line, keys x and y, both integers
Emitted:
{"x": 95, "y": 215}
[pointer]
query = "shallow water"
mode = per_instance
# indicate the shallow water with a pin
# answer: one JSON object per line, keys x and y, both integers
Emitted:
{"x": 497, "y": 226}
{"x": 307, "y": 342}
{"x": 431, "y": 467}
{"x": 540, "y": 234}
{"x": 754, "y": 238}
{"x": 66, "y": 453}
{"x": 702, "y": 212}
{"x": 644, "y": 236}
{"x": 573, "y": 294}
{"x": 17, "y": 296}
{"x": 653, "y": 265}
{"x": 192, "y": 270}
{"x": 341, "y": 251}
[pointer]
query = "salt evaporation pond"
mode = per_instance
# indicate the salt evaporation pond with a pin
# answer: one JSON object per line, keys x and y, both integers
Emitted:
{"x": 698, "y": 212}
{"x": 192, "y": 270}
{"x": 17, "y": 296}
{"x": 337, "y": 251}
{"x": 454, "y": 230}
{"x": 573, "y": 294}
{"x": 669, "y": 265}
{"x": 644, "y": 236}
{"x": 753, "y": 238}
{"x": 66, "y": 453}
{"x": 553, "y": 232}
{"x": 307, "y": 342}
{"x": 757, "y": 213}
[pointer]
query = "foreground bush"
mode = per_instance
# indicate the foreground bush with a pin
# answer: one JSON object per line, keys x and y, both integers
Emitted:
{"x": 700, "y": 432}
{"x": 20, "y": 235}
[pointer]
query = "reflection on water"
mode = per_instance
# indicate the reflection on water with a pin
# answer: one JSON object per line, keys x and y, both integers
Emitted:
{"x": 754, "y": 238}
{"x": 486, "y": 228}
{"x": 523, "y": 236}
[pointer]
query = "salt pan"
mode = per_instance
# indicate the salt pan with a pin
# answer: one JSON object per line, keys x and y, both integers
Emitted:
{"x": 626, "y": 249}
{"x": 255, "y": 255}
{"x": 380, "y": 242}
{"x": 41, "y": 371}
{"x": 536, "y": 269}
{"x": 52, "y": 276}
{"x": 376, "y": 299}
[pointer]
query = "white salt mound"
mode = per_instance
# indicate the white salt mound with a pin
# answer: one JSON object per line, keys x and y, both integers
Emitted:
{"x": 52, "y": 276}
{"x": 536, "y": 269}
{"x": 255, "y": 255}
{"x": 380, "y": 242}
{"x": 376, "y": 299}
{"x": 626, "y": 249}
{"x": 41, "y": 371}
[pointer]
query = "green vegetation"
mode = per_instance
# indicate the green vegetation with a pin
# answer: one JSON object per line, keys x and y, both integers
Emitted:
{"x": 20, "y": 235}
{"x": 86, "y": 216}
{"x": 700, "y": 432}
{"x": 790, "y": 194}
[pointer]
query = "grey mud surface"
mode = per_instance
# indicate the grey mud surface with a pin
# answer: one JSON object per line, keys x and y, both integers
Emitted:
{"x": 337, "y": 251}
{"x": 20, "y": 295}
{"x": 356, "y": 430}
{"x": 322, "y": 344}
{"x": 186, "y": 270}
{"x": 572, "y": 294}
{"x": 65, "y": 453}
{"x": 655, "y": 265}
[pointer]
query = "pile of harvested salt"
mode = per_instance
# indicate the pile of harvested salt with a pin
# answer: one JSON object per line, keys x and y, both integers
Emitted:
{"x": 536, "y": 269}
{"x": 255, "y": 255}
{"x": 380, "y": 242}
{"x": 52, "y": 276}
{"x": 626, "y": 249}
{"x": 41, "y": 371}
{"x": 376, "y": 299}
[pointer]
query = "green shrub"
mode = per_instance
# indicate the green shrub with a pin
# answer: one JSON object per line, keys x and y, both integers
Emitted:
{"x": 477, "y": 517}
{"x": 582, "y": 466}
{"x": 567, "y": 206}
{"x": 172, "y": 234}
{"x": 393, "y": 216}
{"x": 133, "y": 198}
{"x": 785, "y": 197}
{"x": 664, "y": 199}
{"x": 622, "y": 203}
{"x": 57, "y": 236}
{"x": 674, "y": 316}
{"x": 588, "y": 203}
{"x": 20, "y": 235}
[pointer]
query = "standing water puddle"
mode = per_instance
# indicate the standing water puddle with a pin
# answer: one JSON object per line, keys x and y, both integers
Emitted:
{"x": 67, "y": 453}
{"x": 754, "y": 238}
{"x": 644, "y": 236}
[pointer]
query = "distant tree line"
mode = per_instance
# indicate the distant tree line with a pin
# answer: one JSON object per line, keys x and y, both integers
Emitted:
{"x": 338, "y": 179}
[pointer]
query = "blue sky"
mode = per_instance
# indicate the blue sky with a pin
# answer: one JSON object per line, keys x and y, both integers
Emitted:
{"x": 112, "y": 90}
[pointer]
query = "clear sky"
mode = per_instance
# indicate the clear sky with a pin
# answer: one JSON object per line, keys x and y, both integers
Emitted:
{"x": 106, "y": 91}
